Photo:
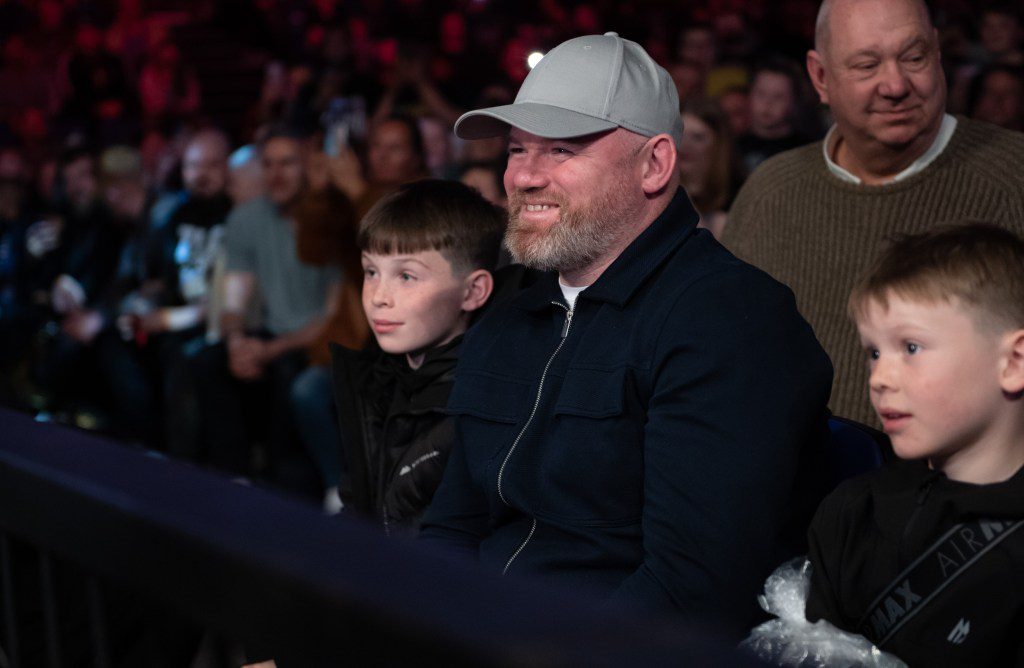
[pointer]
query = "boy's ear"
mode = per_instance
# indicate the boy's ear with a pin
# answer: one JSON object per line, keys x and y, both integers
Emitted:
{"x": 1011, "y": 377}
{"x": 478, "y": 287}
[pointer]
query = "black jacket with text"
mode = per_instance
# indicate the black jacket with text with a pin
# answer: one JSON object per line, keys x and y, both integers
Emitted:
{"x": 873, "y": 529}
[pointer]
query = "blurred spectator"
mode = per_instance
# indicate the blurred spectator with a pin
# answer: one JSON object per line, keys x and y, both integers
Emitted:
{"x": 245, "y": 178}
{"x": 690, "y": 80}
{"x": 707, "y": 163}
{"x": 1002, "y": 34}
{"x": 775, "y": 91}
{"x": 19, "y": 318}
{"x": 487, "y": 178}
{"x": 997, "y": 97}
{"x": 395, "y": 155}
{"x": 326, "y": 226}
{"x": 437, "y": 144}
{"x": 168, "y": 89}
{"x": 697, "y": 46}
{"x": 735, "y": 104}
{"x": 100, "y": 100}
{"x": 172, "y": 306}
{"x": 259, "y": 363}
{"x": 413, "y": 91}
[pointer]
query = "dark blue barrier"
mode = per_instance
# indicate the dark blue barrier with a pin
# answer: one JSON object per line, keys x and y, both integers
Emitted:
{"x": 277, "y": 575}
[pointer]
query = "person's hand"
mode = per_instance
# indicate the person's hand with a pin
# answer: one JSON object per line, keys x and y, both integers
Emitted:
{"x": 156, "y": 321}
{"x": 246, "y": 357}
{"x": 347, "y": 174}
{"x": 317, "y": 170}
{"x": 43, "y": 236}
{"x": 67, "y": 294}
{"x": 83, "y": 325}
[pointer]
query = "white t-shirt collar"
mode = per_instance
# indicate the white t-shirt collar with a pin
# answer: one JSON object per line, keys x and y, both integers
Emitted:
{"x": 570, "y": 293}
{"x": 946, "y": 131}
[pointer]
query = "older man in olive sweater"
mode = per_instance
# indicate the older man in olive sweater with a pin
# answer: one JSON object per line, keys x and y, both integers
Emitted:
{"x": 894, "y": 162}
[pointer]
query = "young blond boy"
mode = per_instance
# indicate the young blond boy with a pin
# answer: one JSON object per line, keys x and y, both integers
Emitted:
{"x": 428, "y": 251}
{"x": 925, "y": 557}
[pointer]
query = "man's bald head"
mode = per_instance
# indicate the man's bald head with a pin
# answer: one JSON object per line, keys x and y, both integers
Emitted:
{"x": 829, "y": 8}
{"x": 205, "y": 164}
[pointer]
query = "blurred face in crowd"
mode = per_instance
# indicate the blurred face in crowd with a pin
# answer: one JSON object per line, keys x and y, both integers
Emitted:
{"x": 435, "y": 142}
{"x": 772, "y": 99}
{"x": 879, "y": 71}
{"x": 486, "y": 182}
{"x": 80, "y": 182}
{"x": 570, "y": 198}
{"x": 205, "y": 166}
{"x": 695, "y": 152}
{"x": 391, "y": 155}
{"x": 697, "y": 45}
{"x": 13, "y": 181}
{"x": 1001, "y": 101}
{"x": 735, "y": 105}
{"x": 688, "y": 78}
{"x": 1000, "y": 33}
{"x": 283, "y": 174}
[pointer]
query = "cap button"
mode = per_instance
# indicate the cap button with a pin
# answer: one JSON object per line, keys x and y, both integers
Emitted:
{"x": 611, "y": 34}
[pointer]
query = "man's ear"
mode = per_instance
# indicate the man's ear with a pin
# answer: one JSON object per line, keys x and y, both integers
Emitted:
{"x": 1011, "y": 376}
{"x": 659, "y": 166}
{"x": 478, "y": 287}
{"x": 816, "y": 71}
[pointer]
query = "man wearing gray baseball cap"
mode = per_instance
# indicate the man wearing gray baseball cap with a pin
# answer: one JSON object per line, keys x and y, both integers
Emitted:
{"x": 633, "y": 422}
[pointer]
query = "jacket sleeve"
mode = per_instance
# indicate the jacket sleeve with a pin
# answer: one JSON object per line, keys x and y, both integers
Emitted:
{"x": 825, "y": 547}
{"x": 739, "y": 384}
{"x": 458, "y": 517}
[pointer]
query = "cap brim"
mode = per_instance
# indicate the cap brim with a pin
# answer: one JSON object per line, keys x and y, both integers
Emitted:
{"x": 538, "y": 119}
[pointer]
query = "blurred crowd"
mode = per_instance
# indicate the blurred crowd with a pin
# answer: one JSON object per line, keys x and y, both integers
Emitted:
{"x": 134, "y": 132}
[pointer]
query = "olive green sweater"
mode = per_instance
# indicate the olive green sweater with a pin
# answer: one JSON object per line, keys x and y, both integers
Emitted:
{"x": 817, "y": 234}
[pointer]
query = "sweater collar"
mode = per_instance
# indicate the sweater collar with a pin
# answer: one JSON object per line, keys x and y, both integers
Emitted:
{"x": 624, "y": 276}
{"x": 946, "y": 131}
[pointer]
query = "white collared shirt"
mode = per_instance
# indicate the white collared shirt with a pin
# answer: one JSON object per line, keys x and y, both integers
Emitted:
{"x": 946, "y": 131}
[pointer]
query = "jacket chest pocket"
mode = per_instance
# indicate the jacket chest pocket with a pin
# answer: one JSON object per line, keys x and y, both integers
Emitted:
{"x": 593, "y": 464}
{"x": 489, "y": 410}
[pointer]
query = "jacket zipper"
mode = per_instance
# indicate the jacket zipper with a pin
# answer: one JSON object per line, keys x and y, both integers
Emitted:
{"x": 536, "y": 404}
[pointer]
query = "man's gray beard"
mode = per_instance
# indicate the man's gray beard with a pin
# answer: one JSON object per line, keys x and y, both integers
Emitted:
{"x": 575, "y": 240}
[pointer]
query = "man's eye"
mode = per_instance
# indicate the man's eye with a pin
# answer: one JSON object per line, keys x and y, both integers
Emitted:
{"x": 515, "y": 150}
{"x": 865, "y": 67}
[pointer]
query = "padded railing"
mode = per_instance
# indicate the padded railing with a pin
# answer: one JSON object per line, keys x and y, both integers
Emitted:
{"x": 276, "y": 575}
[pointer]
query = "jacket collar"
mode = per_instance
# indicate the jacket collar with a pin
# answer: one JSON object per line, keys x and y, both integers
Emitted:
{"x": 634, "y": 265}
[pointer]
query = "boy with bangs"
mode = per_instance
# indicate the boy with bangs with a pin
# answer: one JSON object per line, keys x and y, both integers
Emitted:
{"x": 428, "y": 251}
{"x": 924, "y": 557}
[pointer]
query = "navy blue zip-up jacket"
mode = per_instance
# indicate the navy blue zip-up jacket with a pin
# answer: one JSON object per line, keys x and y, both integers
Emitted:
{"x": 647, "y": 446}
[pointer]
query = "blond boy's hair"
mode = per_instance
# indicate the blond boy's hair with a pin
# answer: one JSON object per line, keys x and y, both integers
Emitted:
{"x": 431, "y": 214}
{"x": 978, "y": 265}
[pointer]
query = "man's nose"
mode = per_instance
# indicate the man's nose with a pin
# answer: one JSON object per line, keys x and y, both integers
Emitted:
{"x": 894, "y": 83}
{"x": 528, "y": 172}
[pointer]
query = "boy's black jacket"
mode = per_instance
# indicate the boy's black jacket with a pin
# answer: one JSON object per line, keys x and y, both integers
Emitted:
{"x": 872, "y": 528}
{"x": 395, "y": 433}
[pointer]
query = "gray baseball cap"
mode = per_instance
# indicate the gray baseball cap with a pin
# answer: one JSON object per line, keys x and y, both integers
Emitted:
{"x": 586, "y": 85}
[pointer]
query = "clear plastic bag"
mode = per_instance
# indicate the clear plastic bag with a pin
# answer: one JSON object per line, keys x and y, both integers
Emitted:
{"x": 790, "y": 640}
